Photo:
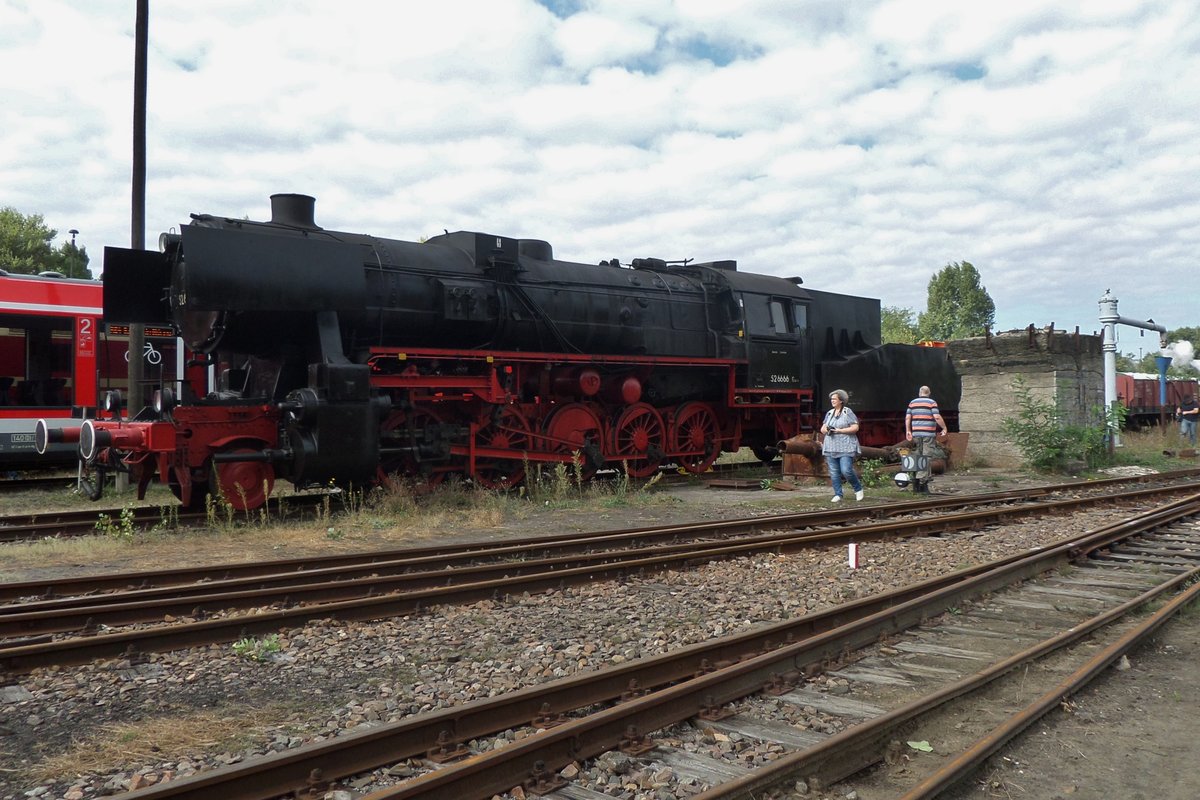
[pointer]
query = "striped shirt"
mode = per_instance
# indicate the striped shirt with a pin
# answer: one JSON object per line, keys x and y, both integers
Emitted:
{"x": 921, "y": 413}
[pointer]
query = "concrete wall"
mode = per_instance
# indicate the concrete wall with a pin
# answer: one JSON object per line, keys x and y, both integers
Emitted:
{"x": 1058, "y": 367}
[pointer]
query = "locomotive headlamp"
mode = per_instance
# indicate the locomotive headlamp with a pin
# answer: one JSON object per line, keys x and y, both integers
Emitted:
{"x": 164, "y": 400}
{"x": 113, "y": 401}
{"x": 169, "y": 242}
{"x": 901, "y": 479}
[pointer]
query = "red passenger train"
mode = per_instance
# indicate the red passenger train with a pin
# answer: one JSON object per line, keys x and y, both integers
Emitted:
{"x": 57, "y": 357}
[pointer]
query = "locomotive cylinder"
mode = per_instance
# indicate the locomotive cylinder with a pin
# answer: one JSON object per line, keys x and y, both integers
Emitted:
{"x": 575, "y": 381}
{"x": 627, "y": 390}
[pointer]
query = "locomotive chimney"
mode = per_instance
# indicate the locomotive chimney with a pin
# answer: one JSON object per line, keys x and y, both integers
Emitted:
{"x": 295, "y": 210}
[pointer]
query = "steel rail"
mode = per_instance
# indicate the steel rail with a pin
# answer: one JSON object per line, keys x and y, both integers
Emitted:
{"x": 207, "y": 581}
{"x": 546, "y": 752}
{"x": 405, "y": 574}
{"x": 982, "y": 749}
{"x": 860, "y": 746}
{"x": 368, "y": 602}
{"x": 580, "y": 540}
{"x": 740, "y": 658}
{"x": 97, "y": 583}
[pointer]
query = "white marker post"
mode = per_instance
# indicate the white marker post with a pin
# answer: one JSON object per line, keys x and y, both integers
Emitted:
{"x": 852, "y": 557}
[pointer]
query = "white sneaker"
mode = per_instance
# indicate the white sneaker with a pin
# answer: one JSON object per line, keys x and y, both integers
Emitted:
{"x": 858, "y": 495}
{"x": 837, "y": 498}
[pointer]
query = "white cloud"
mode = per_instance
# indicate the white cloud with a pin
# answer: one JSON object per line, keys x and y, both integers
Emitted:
{"x": 588, "y": 40}
{"x": 863, "y": 146}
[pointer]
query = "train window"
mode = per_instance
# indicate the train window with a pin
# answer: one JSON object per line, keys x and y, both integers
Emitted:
{"x": 773, "y": 316}
{"x": 779, "y": 320}
{"x": 35, "y": 358}
{"x": 758, "y": 316}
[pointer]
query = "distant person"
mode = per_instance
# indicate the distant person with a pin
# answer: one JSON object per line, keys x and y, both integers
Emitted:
{"x": 1188, "y": 412}
{"x": 840, "y": 446}
{"x": 922, "y": 423}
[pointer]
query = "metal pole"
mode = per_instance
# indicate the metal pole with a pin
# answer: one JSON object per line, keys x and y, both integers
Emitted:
{"x": 1109, "y": 318}
{"x": 137, "y": 231}
{"x": 1163, "y": 363}
{"x": 137, "y": 224}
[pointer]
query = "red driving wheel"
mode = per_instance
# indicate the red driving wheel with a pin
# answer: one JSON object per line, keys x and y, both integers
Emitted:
{"x": 694, "y": 436}
{"x": 639, "y": 438}
{"x": 508, "y": 431}
{"x": 245, "y": 485}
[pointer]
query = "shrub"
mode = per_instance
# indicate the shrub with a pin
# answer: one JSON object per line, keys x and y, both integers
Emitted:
{"x": 1048, "y": 444}
{"x": 871, "y": 472}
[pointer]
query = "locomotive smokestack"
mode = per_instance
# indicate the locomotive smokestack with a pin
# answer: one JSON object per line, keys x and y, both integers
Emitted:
{"x": 294, "y": 209}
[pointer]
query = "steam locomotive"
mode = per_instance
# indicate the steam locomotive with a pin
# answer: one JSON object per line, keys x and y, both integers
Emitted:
{"x": 348, "y": 359}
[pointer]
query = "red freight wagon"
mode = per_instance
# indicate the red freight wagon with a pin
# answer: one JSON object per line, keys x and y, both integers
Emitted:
{"x": 1140, "y": 393}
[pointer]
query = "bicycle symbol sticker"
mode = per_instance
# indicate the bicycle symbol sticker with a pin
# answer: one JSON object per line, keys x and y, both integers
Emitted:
{"x": 153, "y": 356}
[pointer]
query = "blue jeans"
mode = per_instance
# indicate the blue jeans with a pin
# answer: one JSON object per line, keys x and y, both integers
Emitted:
{"x": 842, "y": 466}
{"x": 1187, "y": 429}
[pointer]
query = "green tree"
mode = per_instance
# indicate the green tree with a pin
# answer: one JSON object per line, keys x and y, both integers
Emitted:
{"x": 25, "y": 247}
{"x": 1126, "y": 363}
{"x": 1148, "y": 364}
{"x": 898, "y": 325}
{"x": 1146, "y": 360}
{"x": 958, "y": 306}
{"x": 1191, "y": 334}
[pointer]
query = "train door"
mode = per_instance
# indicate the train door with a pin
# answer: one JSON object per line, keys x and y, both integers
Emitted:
{"x": 777, "y": 341}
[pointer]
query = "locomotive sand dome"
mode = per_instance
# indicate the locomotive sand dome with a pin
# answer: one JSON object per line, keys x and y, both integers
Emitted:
{"x": 348, "y": 358}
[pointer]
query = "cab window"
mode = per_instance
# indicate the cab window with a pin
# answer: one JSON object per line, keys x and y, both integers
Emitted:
{"x": 774, "y": 316}
{"x": 779, "y": 320}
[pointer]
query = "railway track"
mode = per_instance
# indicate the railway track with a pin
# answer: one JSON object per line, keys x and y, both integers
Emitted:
{"x": 87, "y": 522}
{"x": 37, "y": 483}
{"x": 25, "y": 527}
{"x": 155, "y": 611}
{"x": 907, "y": 655}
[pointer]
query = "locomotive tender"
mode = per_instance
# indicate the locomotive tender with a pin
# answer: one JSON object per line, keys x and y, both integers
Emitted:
{"x": 345, "y": 358}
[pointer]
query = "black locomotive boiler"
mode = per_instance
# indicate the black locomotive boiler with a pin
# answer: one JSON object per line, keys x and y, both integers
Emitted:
{"x": 346, "y": 358}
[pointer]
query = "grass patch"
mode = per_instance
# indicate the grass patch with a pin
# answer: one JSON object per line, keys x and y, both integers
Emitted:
{"x": 65, "y": 497}
{"x": 114, "y": 746}
{"x": 398, "y": 516}
{"x": 1146, "y": 448}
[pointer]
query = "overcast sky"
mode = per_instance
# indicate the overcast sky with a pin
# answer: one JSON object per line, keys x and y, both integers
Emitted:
{"x": 860, "y": 145}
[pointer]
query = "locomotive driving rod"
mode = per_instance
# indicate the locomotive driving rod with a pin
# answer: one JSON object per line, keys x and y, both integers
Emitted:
{"x": 261, "y": 455}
